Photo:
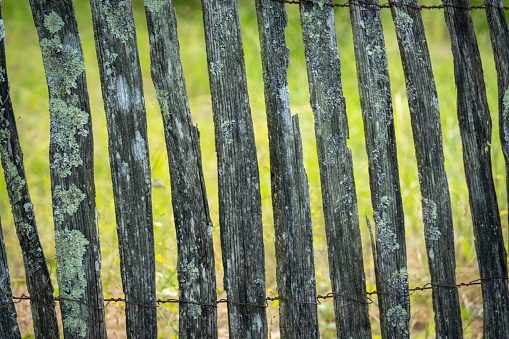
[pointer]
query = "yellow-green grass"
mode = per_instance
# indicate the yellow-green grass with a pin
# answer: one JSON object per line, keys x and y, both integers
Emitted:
{"x": 29, "y": 96}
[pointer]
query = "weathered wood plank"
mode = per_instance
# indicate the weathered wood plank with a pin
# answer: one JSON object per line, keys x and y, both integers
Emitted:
{"x": 8, "y": 316}
{"x": 78, "y": 253}
{"x": 376, "y": 103}
{"x": 122, "y": 89}
{"x": 37, "y": 275}
{"x": 195, "y": 266}
{"x": 499, "y": 33}
{"x": 289, "y": 187}
{"x": 339, "y": 198}
{"x": 240, "y": 215}
{"x": 475, "y": 128}
{"x": 427, "y": 132}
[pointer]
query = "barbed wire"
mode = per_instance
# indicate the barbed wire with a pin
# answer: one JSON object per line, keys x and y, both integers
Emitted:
{"x": 329, "y": 295}
{"x": 389, "y": 4}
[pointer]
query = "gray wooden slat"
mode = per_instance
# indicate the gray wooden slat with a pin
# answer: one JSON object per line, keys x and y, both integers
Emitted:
{"x": 195, "y": 266}
{"x": 376, "y": 103}
{"x": 427, "y": 132}
{"x": 499, "y": 33}
{"x": 289, "y": 187}
{"x": 240, "y": 215}
{"x": 37, "y": 275}
{"x": 122, "y": 89}
{"x": 346, "y": 267}
{"x": 8, "y": 317}
{"x": 78, "y": 253}
{"x": 475, "y": 128}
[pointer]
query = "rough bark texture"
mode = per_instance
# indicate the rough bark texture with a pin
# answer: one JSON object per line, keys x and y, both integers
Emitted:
{"x": 290, "y": 193}
{"x": 346, "y": 267}
{"x": 475, "y": 128}
{"x": 122, "y": 90}
{"x": 195, "y": 266}
{"x": 78, "y": 253}
{"x": 500, "y": 42}
{"x": 436, "y": 202}
{"x": 375, "y": 96}
{"x": 8, "y": 317}
{"x": 240, "y": 215}
{"x": 37, "y": 275}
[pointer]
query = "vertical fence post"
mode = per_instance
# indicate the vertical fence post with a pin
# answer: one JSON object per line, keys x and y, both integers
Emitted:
{"x": 8, "y": 317}
{"x": 289, "y": 185}
{"x": 427, "y": 131}
{"x": 124, "y": 105}
{"x": 475, "y": 128}
{"x": 339, "y": 198}
{"x": 78, "y": 254}
{"x": 376, "y": 103}
{"x": 196, "y": 265}
{"x": 37, "y": 275}
{"x": 240, "y": 215}
{"x": 499, "y": 33}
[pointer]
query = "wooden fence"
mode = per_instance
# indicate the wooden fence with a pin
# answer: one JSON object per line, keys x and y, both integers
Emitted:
{"x": 78, "y": 255}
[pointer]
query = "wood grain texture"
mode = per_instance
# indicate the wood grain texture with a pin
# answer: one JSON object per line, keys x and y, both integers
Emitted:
{"x": 427, "y": 132}
{"x": 240, "y": 215}
{"x": 475, "y": 128}
{"x": 195, "y": 265}
{"x": 122, "y": 91}
{"x": 37, "y": 275}
{"x": 8, "y": 317}
{"x": 339, "y": 198}
{"x": 289, "y": 186}
{"x": 499, "y": 33}
{"x": 78, "y": 251}
{"x": 377, "y": 114}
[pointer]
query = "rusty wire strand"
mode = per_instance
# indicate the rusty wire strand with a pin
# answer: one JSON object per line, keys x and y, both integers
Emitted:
{"x": 389, "y": 4}
{"x": 330, "y": 295}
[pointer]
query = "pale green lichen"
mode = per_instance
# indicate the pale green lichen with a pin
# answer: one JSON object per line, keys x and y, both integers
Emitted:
{"x": 429, "y": 214}
{"x": 505, "y": 114}
{"x": 398, "y": 316}
{"x": 404, "y": 22}
{"x": 216, "y": 68}
{"x": 120, "y": 20}
{"x": 387, "y": 239}
{"x": 2, "y": 30}
{"x": 227, "y": 128}
{"x": 154, "y": 5}
{"x": 70, "y": 250}
{"x": 53, "y": 22}
{"x": 66, "y": 202}
{"x": 67, "y": 121}
{"x": 399, "y": 281}
{"x": 63, "y": 65}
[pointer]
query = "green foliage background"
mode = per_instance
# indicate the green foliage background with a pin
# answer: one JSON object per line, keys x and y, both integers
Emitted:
{"x": 30, "y": 100}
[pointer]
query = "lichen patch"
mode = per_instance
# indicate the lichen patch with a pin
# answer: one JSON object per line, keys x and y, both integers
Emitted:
{"x": 67, "y": 122}
{"x": 53, "y": 22}
{"x": 70, "y": 250}
{"x": 120, "y": 20}
{"x": 66, "y": 202}
{"x": 154, "y": 5}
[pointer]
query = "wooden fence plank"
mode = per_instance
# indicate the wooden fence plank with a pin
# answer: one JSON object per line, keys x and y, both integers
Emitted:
{"x": 339, "y": 198}
{"x": 427, "y": 131}
{"x": 122, "y": 89}
{"x": 196, "y": 265}
{"x": 500, "y": 42}
{"x": 240, "y": 215}
{"x": 475, "y": 128}
{"x": 290, "y": 193}
{"x": 8, "y": 316}
{"x": 376, "y": 103}
{"x": 78, "y": 253}
{"x": 37, "y": 275}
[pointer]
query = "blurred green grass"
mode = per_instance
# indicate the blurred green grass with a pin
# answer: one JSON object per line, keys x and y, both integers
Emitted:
{"x": 30, "y": 101}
